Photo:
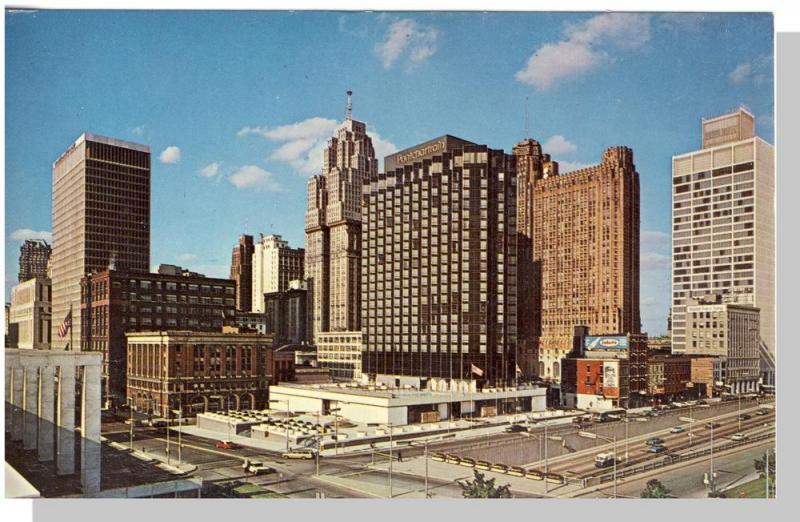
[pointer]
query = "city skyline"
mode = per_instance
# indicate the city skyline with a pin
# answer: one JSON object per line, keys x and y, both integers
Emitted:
{"x": 245, "y": 140}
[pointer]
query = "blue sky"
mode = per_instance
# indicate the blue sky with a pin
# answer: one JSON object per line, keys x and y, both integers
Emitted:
{"x": 237, "y": 105}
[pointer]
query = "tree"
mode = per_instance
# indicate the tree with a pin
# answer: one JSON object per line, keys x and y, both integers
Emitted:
{"x": 759, "y": 465}
{"x": 655, "y": 489}
{"x": 483, "y": 488}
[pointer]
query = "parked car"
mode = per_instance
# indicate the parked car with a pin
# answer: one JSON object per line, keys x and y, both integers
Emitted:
{"x": 762, "y": 412}
{"x": 301, "y": 453}
{"x": 739, "y": 436}
{"x": 658, "y": 448}
{"x": 227, "y": 444}
{"x": 452, "y": 459}
{"x": 516, "y": 471}
{"x": 554, "y": 478}
{"x": 484, "y": 465}
{"x": 654, "y": 441}
{"x": 714, "y": 425}
{"x": 467, "y": 462}
{"x": 499, "y": 468}
{"x": 534, "y": 475}
{"x": 677, "y": 429}
{"x": 516, "y": 428}
{"x": 438, "y": 457}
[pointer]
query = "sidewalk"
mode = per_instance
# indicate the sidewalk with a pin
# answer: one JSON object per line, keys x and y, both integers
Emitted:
{"x": 155, "y": 457}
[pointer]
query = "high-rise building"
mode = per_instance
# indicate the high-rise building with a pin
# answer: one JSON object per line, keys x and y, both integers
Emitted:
{"x": 275, "y": 263}
{"x": 723, "y": 223}
{"x": 439, "y": 265}
{"x": 333, "y": 228}
{"x": 242, "y": 272}
{"x": 34, "y": 255}
{"x": 582, "y": 230}
{"x": 286, "y": 314}
{"x": 101, "y": 218}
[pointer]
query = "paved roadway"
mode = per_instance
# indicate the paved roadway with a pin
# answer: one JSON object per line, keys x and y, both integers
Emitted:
{"x": 687, "y": 481}
{"x": 352, "y": 475}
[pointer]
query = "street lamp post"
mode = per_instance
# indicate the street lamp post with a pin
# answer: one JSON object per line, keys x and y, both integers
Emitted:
{"x": 179, "y": 412}
{"x": 319, "y": 440}
{"x": 287, "y": 414}
{"x": 613, "y": 440}
{"x": 130, "y": 402}
{"x": 425, "y": 445}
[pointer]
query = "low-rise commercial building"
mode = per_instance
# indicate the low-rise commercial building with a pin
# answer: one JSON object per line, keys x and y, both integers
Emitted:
{"x": 669, "y": 377}
{"x": 200, "y": 371}
{"x": 380, "y": 404}
{"x": 114, "y": 302}
{"x": 730, "y": 332}
{"x": 605, "y": 371}
{"x": 30, "y": 313}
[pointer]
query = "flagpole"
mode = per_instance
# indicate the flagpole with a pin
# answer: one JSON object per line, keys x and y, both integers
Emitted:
{"x": 71, "y": 345}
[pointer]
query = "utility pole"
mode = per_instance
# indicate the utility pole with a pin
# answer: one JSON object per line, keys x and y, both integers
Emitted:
{"x": 130, "y": 401}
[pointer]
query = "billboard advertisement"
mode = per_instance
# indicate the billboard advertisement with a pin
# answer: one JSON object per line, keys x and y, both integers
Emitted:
{"x": 611, "y": 378}
{"x": 606, "y": 342}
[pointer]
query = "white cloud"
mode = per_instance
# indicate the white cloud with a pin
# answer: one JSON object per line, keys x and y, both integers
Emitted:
{"x": 655, "y": 238}
{"x": 382, "y": 147}
{"x": 21, "y": 234}
{"x": 254, "y": 178}
{"x": 138, "y": 131}
{"x": 757, "y": 71}
{"x": 210, "y": 170}
{"x": 654, "y": 261}
{"x": 741, "y": 73}
{"x": 302, "y": 143}
{"x": 558, "y": 145}
{"x": 405, "y": 37}
{"x": 569, "y": 166}
{"x": 186, "y": 257}
{"x": 170, "y": 155}
{"x": 584, "y": 47}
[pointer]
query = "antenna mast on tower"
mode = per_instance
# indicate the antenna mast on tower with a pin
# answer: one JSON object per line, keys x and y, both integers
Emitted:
{"x": 349, "y": 113}
{"x": 527, "y": 132}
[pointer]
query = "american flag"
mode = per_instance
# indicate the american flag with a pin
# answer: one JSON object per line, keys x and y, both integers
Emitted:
{"x": 66, "y": 325}
{"x": 477, "y": 371}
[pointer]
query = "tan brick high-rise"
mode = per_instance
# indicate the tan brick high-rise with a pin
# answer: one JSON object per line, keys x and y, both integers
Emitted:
{"x": 101, "y": 218}
{"x": 583, "y": 229}
{"x": 333, "y": 229}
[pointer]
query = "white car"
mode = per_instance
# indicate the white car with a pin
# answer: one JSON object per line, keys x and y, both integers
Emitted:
{"x": 739, "y": 436}
{"x": 677, "y": 429}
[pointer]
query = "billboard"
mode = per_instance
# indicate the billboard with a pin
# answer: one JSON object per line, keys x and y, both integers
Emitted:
{"x": 605, "y": 342}
{"x": 611, "y": 378}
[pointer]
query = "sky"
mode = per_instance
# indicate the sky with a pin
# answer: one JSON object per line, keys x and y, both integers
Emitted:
{"x": 237, "y": 106}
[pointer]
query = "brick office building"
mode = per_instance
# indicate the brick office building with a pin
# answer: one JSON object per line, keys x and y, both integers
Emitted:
{"x": 201, "y": 371}
{"x": 114, "y": 302}
{"x": 581, "y": 230}
{"x": 606, "y": 371}
{"x": 669, "y": 378}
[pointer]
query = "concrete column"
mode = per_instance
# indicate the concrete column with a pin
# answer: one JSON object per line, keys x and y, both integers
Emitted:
{"x": 65, "y": 462}
{"x": 17, "y": 386}
{"x": 47, "y": 377}
{"x": 31, "y": 406}
{"x": 90, "y": 431}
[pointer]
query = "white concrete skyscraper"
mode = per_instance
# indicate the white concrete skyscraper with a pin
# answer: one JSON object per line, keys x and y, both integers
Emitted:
{"x": 723, "y": 234}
